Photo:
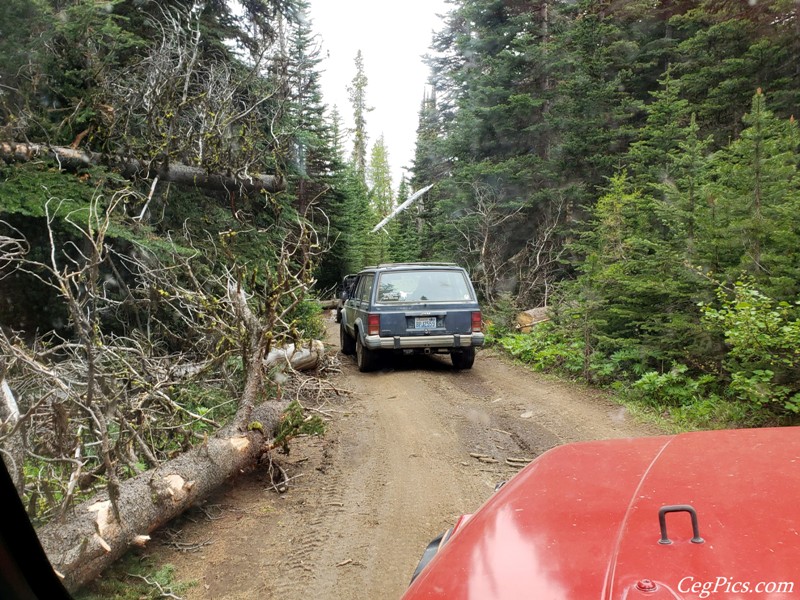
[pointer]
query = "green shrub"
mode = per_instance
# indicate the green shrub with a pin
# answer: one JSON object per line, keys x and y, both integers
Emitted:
{"x": 306, "y": 320}
{"x": 672, "y": 388}
{"x": 545, "y": 348}
{"x": 764, "y": 340}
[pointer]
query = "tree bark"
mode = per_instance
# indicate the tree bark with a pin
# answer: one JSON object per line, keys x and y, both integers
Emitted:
{"x": 300, "y": 359}
{"x": 91, "y": 538}
{"x": 13, "y": 448}
{"x": 133, "y": 167}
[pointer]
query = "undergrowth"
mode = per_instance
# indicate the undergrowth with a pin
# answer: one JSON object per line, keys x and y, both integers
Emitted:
{"x": 674, "y": 397}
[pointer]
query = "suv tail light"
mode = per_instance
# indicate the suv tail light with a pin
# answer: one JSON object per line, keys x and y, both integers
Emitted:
{"x": 373, "y": 324}
{"x": 476, "y": 322}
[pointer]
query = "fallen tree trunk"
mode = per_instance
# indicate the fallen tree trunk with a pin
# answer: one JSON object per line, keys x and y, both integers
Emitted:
{"x": 132, "y": 167}
{"x": 98, "y": 532}
{"x": 303, "y": 358}
{"x": 92, "y": 538}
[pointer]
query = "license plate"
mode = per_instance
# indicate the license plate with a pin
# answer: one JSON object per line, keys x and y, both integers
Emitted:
{"x": 424, "y": 322}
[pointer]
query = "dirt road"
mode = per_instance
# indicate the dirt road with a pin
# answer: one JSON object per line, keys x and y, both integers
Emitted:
{"x": 394, "y": 470}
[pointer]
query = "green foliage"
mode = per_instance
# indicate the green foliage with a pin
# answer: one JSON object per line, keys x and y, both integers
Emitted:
{"x": 501, "y": 316}
{"x": 672, "y": 388}
{"x": 294, "y": 422}
{"x": 764, "y": 340}
{"x": 714, "y": 412}
{"x": 123, "y": 581}
{"x": 747, "y": 223}
{"x": 27, "y": 188}
{"x": 214, "y": 403}
{"x": 306, "y": 320}
{"x": 546, "y": 349}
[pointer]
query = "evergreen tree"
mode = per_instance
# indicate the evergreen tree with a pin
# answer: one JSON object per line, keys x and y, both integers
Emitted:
{"x": 429, "y": 167}
{"x": 312, "y": 140}
{"x": 381, "y": 198}
{"x": 405, "y": 239}
{"x": 754, "y": 189}
{"x": 652, "y": 157}
{"x": 358, "y": 100}
{"x": 630, "y": 269}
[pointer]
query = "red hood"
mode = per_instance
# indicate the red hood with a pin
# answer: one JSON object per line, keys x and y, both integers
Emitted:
{"x": 581, "y": 522}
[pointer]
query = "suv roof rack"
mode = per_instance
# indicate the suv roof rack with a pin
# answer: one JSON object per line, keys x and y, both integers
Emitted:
{"x": 423, "y": 264}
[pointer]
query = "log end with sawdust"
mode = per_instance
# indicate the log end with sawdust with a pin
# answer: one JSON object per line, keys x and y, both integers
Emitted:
{"x": 529, "y": 318}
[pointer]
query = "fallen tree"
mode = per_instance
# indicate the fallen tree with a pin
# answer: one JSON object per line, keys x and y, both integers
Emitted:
{"x": 130, "y": 168}
{"x": 97, "y": 533}
{"x": 99, "y": 409}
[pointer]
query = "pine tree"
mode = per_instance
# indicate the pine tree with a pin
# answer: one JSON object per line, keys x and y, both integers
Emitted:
{"x": 312, "y": 141}
{"x": 358, "y": 100}
{"x": 381, "y": 197}
{"x": 754, "y": 189}
{"x": 405, "y": 238}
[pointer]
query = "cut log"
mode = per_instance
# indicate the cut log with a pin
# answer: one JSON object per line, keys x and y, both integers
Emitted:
{"x": 132, "y": 167}
{"x": 528, "y": 318}
{"x": 304, "y": 358}
{"x": 328, "y": 304}
{"x": 91, "y": 538}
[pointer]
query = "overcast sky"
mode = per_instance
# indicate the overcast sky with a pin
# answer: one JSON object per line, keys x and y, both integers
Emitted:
{"x": 392, "y": 37}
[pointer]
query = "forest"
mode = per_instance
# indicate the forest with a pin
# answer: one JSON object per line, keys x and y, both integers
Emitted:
{"x": 176, "y": 197}
{"x": 633, "y": 167}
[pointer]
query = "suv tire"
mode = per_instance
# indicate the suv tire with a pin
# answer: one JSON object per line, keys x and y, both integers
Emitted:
{"x": 463, "y": 359}
{"x": 348, "y": 344}
{"x": 365, "y": 358}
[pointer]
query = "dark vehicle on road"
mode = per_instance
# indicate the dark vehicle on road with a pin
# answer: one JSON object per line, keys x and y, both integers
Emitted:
{"x": 710, "y": 514}
{"x": 412, "y": 308}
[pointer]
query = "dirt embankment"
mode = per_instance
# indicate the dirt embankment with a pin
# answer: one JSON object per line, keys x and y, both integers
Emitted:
{"x": 412, "y": 447}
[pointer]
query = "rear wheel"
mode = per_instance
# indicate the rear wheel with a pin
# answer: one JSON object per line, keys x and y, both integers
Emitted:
{"x": 463, "y": 359}
{"x": 348, "y": 344}
{"x": 365, "y": 358}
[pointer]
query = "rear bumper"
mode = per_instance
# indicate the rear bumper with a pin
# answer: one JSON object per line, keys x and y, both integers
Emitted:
{"x": 375, "y": 342}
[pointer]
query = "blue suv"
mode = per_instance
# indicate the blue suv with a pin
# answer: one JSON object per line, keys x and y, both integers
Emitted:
{"x": 412, "y": 308}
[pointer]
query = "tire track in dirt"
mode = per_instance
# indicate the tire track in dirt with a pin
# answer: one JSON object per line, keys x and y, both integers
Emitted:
{"x": 398, "y": 485}
{"x": 393, "y": 471}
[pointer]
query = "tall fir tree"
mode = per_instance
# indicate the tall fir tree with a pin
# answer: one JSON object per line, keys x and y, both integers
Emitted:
{"x": 381, "y": 198}
{"x": 357, "y": 91}
{"x": 405, "y": 240}
{"x": 754, "y": 188}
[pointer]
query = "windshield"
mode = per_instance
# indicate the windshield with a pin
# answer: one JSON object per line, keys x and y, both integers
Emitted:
{"x": 431, "y": 285}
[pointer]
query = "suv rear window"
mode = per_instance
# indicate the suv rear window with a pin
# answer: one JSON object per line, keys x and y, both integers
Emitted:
{"x": 431, "y": 285}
